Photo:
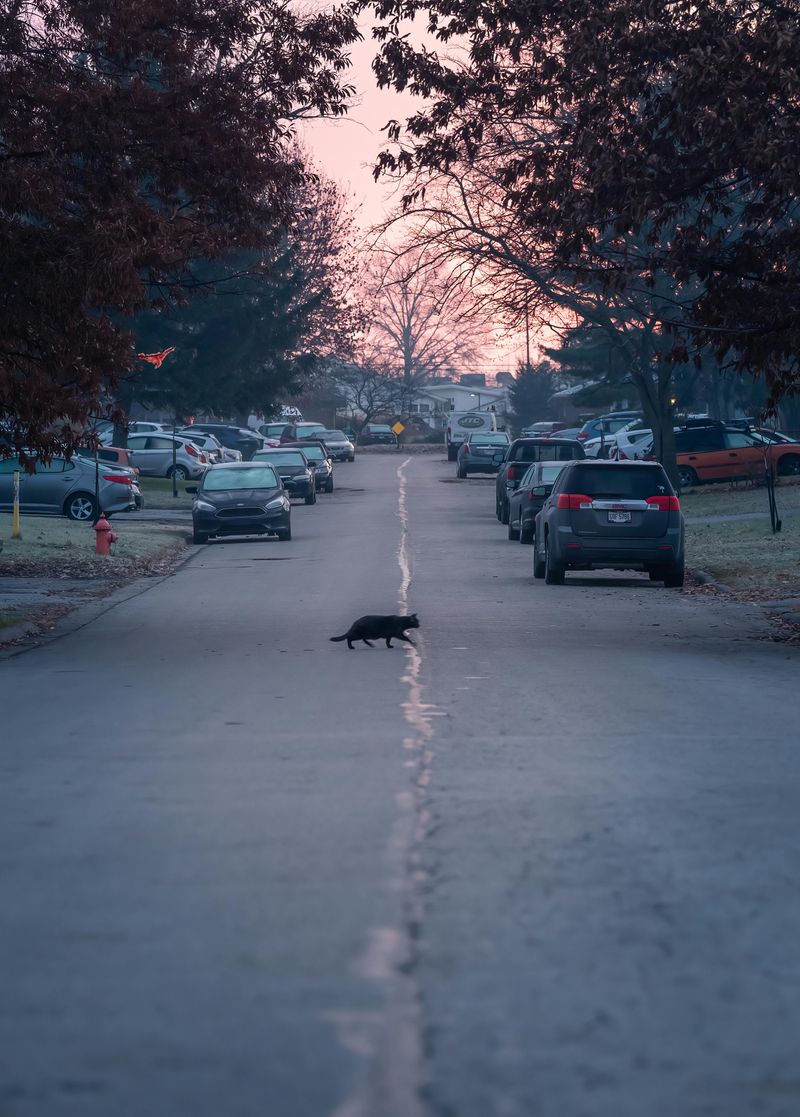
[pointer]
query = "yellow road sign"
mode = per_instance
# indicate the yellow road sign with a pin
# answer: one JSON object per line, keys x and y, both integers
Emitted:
{"x": 398, "y": 428}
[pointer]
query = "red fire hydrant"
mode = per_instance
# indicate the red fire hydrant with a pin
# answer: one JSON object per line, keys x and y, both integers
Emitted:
{"x": 104, "y": 536}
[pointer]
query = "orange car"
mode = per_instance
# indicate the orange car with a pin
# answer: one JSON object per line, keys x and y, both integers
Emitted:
{"x": 717, "y": 453}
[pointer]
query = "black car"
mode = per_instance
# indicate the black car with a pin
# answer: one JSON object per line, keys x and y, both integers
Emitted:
{"x": 234, "y": 438}
{"x": 524, "y": 452}
{"x": 525, "y": 503}
{"x": 339, "y": 446}
{"x": 294, "y": 469}
{"x": 317, "y": 454}
{"x": 377, "y": 434}
{"x": 478, "y": 452}
{"x": 617, "y": 515}
{"x": 240, "y": 498}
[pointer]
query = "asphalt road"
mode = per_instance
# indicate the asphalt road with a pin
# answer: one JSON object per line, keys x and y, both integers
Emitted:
{"x": 545, "y": 865}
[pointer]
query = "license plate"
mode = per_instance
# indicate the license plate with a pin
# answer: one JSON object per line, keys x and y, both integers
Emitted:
{"x": 619, "y": 517}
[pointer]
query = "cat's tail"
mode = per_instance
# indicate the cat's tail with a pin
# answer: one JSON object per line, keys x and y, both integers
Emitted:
{"x": 336, "y": 639}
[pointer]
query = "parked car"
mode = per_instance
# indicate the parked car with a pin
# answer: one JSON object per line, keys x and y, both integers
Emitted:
{"x": 477, "y": 453}
{"x": 618, "y": 515}
{"x": 631, "y": 445}
{"x": 240, "y": 498}
{"x": 109, "y": 454}
{"x": 719, "y": 453}
{"x": 565, "y": 432}
{"x": 524, "y": 452}
{"x": 161, "y": 455}
{"x": 234, "y": 438}
{"x": 377, "y": 434}
{"x": 317, "y": 454}
{"x": 528, "y": 498}
{"x": 294, "y": 470}
{"x": 606, "y": 424}
{"x": 272, "y": 430}
{"x": 340, "y": 447}
{"x": 297, "y": 432}
{"x": 105, "y": 432}
{"x": 208, "y": 443}
{"x": 769, "y": 435}
{"x": 67, "y": 488}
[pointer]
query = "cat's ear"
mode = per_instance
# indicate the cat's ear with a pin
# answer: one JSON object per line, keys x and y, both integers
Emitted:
{"x": 413, "y": 616}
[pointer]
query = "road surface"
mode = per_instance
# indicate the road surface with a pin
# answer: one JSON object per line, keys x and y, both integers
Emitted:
{"x": 545, "y": 864}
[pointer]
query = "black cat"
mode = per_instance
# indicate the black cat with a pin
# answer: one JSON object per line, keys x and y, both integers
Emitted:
{"x": 379, "y": 628}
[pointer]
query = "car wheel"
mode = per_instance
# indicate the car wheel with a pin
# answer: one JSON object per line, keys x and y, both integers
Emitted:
{"x": 504, "y": 512}
{"x": 461, "y": 473}
{"x": 553, "y": 573}
{"x": 687, "y": 477}
{"x": 352, "y": 459}
{"x": 513, "y": 532}
{"x": 525, "y": 536}
{"x": 311, "y": 498}
{"x": 285, "y": 534}
{"x": 674, "y": 575}
{"x": 179, "y": 472}
{"x": 329, "y": 485}
{"x": 538, "y": 563}
{"x": 656, "y": 574}
{"x": 199, "y": 536}
{"x": 789, "y": 465}
{"x": 80, "y": 507}
{"x": 451, "y": 453}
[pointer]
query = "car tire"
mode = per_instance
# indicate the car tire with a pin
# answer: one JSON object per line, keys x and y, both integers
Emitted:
{"x": 451, "y": 453}
{"x": 285, "y": 534}
{"x": 789, "y": 465}
{"x": 199, "y": 536}
{"x": 352, "y": 459}
{"x": 513, "y": 533}
{"x": 504, "y": 512}
{"x": 329, "y": 485}
{"x": 525, "y": 536}
{"x": 553, "y": 573}
{"x": 80, "y": 507}
{"x": 656, "y": 574}
{"x": 687, "y": 477}
{"x": 461, "y": 473}
{"x": 179, "y": 472}
{"x": 674, "y": 575}
{"x": 311, "y": 498}
{"x": 538, "y": 563}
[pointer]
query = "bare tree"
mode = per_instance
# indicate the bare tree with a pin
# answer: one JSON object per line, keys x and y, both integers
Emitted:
{"x": 423, "y": 324}
{"x": 368, "y": 391}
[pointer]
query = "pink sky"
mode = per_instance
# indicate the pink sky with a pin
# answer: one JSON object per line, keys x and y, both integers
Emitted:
{"x": 348, "y": 148}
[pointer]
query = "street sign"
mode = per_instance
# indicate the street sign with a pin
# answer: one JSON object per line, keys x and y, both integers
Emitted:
{"x": 398, "y": 428}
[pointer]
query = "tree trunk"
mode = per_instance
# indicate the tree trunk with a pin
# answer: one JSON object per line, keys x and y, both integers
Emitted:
{"x": 124, "y": 403}
{"x": 657, "y": 406}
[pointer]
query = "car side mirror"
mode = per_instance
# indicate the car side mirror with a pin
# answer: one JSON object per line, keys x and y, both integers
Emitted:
{"x": 191, "y": 489}
{"x": 542, "y": 490}
{"x": 499, "y": 457}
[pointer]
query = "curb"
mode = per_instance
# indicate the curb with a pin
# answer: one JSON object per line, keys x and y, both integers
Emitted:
{"x": 85, "y": 614}
{"x": 704, "y": 579}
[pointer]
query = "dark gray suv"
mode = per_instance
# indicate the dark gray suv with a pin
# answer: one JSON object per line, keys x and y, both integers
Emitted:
{"x": 618, "y": 515}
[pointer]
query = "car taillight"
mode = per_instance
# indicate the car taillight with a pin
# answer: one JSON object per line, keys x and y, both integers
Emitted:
{"x": 582, "y": 434}
{"x": 191, "y": 450}
{"x": 511, "y": 475}
{"x": 621, "y": 455}
{"x": 664, "y": 503}
{"x": 573, "y": 501}
{"x": 118, "y": 478}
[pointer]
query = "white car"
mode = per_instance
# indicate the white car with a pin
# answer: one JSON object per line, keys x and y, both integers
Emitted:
{"x": 161, "y": 455}
{"x": 632, "y": 445}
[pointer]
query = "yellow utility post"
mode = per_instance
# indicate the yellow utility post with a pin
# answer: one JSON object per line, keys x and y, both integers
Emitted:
{"x": 16, "y": 532}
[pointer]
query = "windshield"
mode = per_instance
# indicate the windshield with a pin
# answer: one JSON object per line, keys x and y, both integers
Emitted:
{"x": 314, "y": 454}
{"x": 253, "y": 477}
{"x": 307, "y": 428}
{"x": 282, "y": 457}
{"x": 499, "y": 438}
{"x": 381, "y": 428}
{"x": 334, "y": 436}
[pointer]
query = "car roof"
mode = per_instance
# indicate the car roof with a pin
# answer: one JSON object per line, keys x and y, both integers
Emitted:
{"x": 594, "y": 463}
{"x": 546, "y": 441}
{"x": 235, "y": 465}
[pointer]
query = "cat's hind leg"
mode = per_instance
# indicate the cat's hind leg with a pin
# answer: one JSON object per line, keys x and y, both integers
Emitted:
{"x": 388, "y": 641}
{"x": 407, "y": 639}
{"x": 350, "y": 645}
{"x": 366, "y": 641}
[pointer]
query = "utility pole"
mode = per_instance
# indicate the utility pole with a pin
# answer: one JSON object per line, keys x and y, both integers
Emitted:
{"x": 527, "y": 335}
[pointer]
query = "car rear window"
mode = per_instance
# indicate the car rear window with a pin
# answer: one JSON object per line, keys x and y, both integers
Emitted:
{"x": 498, "y": 439}
{"x": 314, "y": 453}
{"x": 623, "y": 481}
{"x": 547, "y": 452}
